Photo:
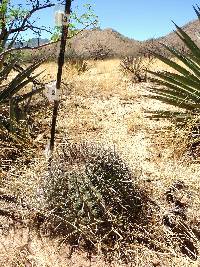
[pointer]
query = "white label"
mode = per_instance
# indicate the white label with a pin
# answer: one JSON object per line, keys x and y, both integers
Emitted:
{"x": 66, "y": 19}
{"x": 52, "y": 93}
{"x": 47, "y": 150}
{"x": 59, "y": 15}
{"x": 61, "y": 18}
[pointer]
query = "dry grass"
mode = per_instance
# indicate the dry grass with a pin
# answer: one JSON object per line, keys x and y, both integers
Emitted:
{"x": 103, "y": 107}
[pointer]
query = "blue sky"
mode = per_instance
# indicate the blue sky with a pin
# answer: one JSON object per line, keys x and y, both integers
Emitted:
{"x": 143, "y": 19}
{"x": 137, "y": 19}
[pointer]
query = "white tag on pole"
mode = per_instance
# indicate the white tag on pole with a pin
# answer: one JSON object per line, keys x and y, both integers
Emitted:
{"x": 47, "y": 150}
{"x": 66, "y": 19}
{"x": 59, "y": 17}
{"x": 52, "y": 93}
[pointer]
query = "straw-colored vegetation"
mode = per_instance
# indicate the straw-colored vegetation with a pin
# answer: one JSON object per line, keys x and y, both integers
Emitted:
{"x": 121, "y": 185}
{"x": 103, "y": 115}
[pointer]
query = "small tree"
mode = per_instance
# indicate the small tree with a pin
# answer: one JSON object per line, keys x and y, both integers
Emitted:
{"x": 14, "y": 21}
{"x": 99, "y": 51}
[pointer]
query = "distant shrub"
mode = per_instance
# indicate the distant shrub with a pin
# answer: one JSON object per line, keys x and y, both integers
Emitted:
{"x": 135, "y": 68}
{"x": 148, "y": 47}
{"x": 78, "y": 64}
{"x": 99, "y": 51}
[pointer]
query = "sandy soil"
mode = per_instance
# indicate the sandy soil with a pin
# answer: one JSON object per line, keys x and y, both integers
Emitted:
{"x": 104, "y": 107}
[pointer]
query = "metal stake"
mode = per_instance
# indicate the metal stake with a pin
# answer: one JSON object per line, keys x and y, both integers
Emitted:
{"x": 61, "y": 59}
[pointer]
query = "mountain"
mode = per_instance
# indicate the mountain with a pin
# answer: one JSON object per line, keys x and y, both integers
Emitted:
{"x": 115, "y": 43}
{"x": 33, "y": 42}
{"x": 120, "y": 46}
{"x": 112, "y": 43}
{"x": 192, "y": 29}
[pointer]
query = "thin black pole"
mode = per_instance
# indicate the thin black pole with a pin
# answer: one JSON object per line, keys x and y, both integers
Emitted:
{"x": 61, "y": 59}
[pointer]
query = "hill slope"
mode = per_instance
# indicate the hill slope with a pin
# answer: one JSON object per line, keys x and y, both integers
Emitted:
{"x": 88, "y": 42}
{"x": 192, "y": 29}
{"x": 120, "y": 45}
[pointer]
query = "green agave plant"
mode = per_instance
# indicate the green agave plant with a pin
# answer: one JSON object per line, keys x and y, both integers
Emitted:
{"x": 18, "y": 82}
{"x": 180, "y": 88}
{"x": 10, "y": 97}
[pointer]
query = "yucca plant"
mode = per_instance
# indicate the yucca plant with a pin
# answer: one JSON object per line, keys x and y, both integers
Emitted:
{"x": 14, "y": 22}
{"x": 180, "y": 88}
{"x": 9, "y": 93}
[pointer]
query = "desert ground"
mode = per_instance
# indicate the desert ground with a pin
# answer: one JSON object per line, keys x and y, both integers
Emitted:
{"x": 102, "y": 106}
